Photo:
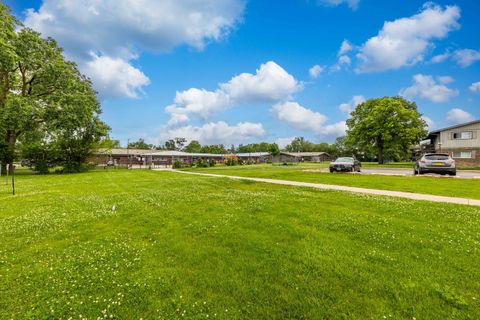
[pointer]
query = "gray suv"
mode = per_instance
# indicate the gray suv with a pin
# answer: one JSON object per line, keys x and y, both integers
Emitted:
{"x": 436, "y": 163}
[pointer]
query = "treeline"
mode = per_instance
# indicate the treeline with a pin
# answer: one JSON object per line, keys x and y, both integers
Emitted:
{"x": 299, "y": 144}
{"x": 178, "y": 144}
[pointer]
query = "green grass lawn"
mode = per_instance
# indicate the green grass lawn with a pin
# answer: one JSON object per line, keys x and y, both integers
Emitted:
{"x": 191, "y": 247}
{"x": 466, "y": 188}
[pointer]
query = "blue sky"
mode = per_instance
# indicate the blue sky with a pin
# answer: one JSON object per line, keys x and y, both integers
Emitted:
{"x": 236, "y": 71}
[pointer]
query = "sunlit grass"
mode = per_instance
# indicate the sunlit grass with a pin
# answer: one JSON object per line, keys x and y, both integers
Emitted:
{"x": 161, "y": 245}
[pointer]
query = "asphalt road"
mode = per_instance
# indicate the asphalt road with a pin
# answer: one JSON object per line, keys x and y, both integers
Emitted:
{"x": 465, "y": 174}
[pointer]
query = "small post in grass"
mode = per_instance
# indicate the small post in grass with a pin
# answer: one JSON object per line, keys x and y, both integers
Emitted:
{"x": 13, "y": 180}
{"x": 7, "y": 169}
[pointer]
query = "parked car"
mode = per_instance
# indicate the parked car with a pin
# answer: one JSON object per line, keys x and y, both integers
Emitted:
{"x": 345, "y": 164}
{"x": 436, "y": 163}
{"x": 26, "y": 163}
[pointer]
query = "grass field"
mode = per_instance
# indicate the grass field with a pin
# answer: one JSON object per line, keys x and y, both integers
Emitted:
{"x": 466, "y": 188}
{"x": 190, "y": 247}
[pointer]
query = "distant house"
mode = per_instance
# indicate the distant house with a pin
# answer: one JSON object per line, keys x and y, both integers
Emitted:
{"x": 257, "y": 157}
{"x": 120, "y": 156}
{"x": 302, "y": 156}
{"x": 140, "y": 157}
{"x": 168, "y": 157}
{"x": 461, "y": 141}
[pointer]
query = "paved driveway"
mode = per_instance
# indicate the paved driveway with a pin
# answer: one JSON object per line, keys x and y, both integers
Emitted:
{"x": 465, "y": 174}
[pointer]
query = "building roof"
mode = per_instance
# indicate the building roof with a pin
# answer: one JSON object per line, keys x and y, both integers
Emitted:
{"x": 252, "y": 154}
{"x": 305, "y": 154}
{"x": 168, "y": 153}
{"x": 123, "y": 151}
{"x": 455, "y": 126}
{"x": 174, "y": 153}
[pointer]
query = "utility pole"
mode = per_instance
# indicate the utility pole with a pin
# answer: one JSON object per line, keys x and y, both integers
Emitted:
{"x": 128, "y": 153}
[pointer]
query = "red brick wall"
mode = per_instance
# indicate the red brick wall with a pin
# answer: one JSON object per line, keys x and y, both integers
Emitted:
{"x": 473, "y": 162}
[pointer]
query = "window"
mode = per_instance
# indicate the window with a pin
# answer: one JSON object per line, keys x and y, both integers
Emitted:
{"x": 437, "y": 157}
{"x": 465, "y": 135}
{"x": 463, "y": 154}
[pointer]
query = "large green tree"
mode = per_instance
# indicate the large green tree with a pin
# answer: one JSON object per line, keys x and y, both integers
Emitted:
{"x": 43, "y": 96}
{"x": 257, "y": 147}
{"x": 388, "y": 125}
{"x": 193, "y": 147}
{"x": 140, "y": 144}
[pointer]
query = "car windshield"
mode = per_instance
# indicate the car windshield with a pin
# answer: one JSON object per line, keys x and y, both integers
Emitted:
{"x": 344, "y": 160}
{"x": 437, "y": 157}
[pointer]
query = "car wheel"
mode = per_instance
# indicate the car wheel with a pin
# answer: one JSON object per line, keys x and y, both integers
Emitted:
{"x": 420, "y": 171}
{"x": 415, "y": 172}
{"x": 331, "y": 171}
{"x": 453, "y": 174}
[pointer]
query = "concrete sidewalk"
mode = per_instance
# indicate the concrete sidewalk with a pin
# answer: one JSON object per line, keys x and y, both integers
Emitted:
{"x": 399, "y": 194}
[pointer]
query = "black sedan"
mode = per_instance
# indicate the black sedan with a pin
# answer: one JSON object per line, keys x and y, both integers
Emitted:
{"x": 345, "y": 164}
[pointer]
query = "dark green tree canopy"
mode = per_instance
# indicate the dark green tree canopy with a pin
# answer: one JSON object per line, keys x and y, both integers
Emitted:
{"x": 388, "y": 126}
{"x": 257, "y": 147}
{"x": 140, "y": 144}
{"x": 43, "y": 97}
{"x": 193, "y": 147}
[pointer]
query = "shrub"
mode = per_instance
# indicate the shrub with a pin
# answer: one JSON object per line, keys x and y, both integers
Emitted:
{"x": 231, "y": 162}
{"x": 74, "y": 167}
{"x": 177, "y": 164}
{"x": 41, "y": 166}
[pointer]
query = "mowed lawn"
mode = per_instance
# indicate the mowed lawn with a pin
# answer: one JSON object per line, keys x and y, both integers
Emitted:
{"x": 443, "y": 186}
{"x": 191, "y": 247}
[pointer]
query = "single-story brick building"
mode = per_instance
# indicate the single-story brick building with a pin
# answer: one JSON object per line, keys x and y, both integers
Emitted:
{"x": 302, "y": 157}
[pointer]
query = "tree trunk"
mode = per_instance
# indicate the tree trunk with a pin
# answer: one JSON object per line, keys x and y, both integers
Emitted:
{"x": 380, "y": 151}
{"x": 11, "y": 139}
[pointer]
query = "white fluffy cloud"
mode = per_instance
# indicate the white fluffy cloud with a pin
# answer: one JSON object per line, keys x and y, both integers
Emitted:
{"x": 270, "y": 83}
{"x": 345, "y": 47}
{"x": 457, "y": 115}
{"x": 430, "y": 123}
{"x": 315, "y": 71}
{"x": 198, "y": 102}
{"x": 306, "y": 119}
{"x": 475, "y": 87}
{"x": 283, "y": 142}
{"x": 217, "y": 132}
{"x": 405, "y": 41}
{"x": 353, "y": 4}
{"x": 426, "y": 87}
{"x": 445, "y": 79}
{"x": 123, "y": 29}
{"x": 466, "y": 57}
{"x": 440, "y": 57}
{"x": 115, "y": 77}
{"x": 348, "y": 107}
{"x": 343, "y": 59}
